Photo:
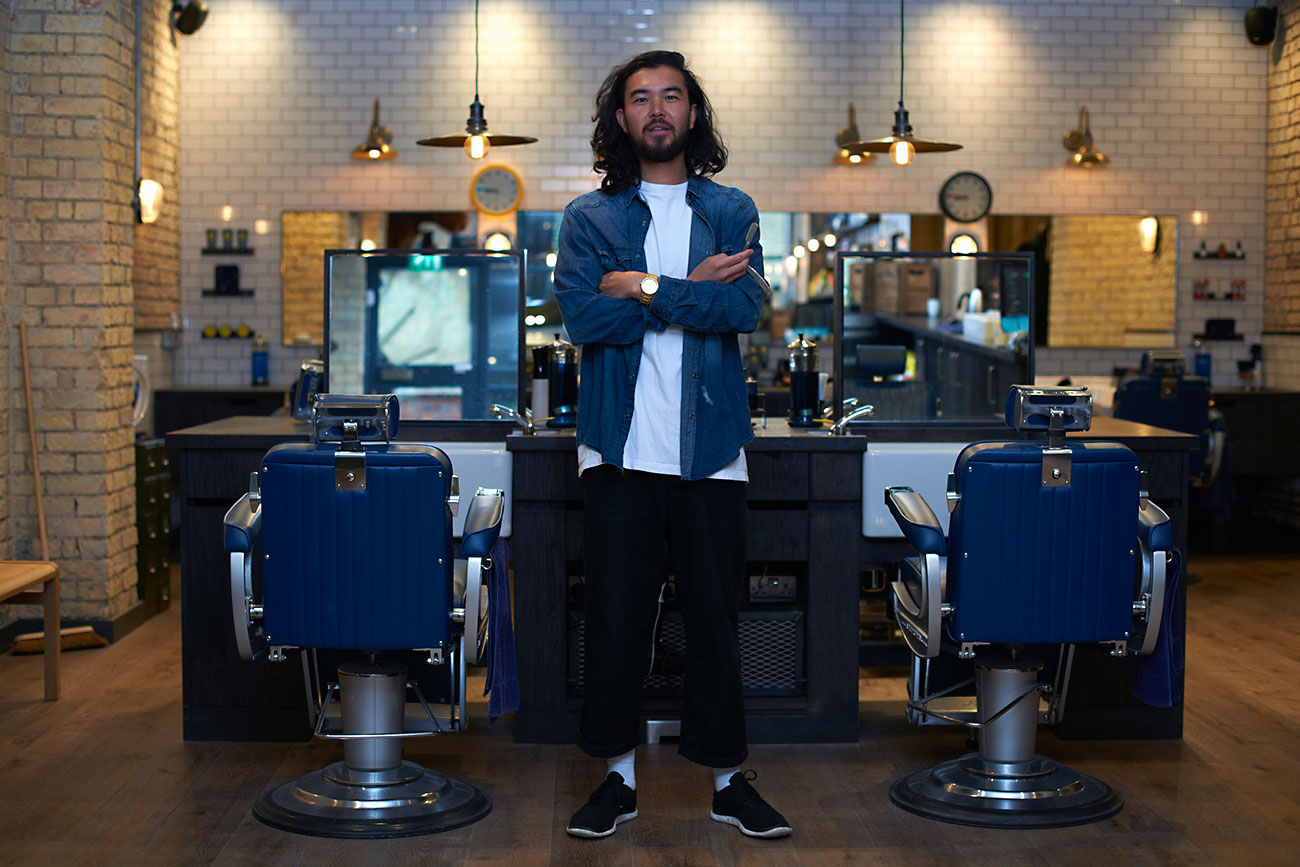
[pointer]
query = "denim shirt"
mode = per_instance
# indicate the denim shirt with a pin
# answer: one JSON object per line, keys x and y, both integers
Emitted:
{"x": 604, "y": 232}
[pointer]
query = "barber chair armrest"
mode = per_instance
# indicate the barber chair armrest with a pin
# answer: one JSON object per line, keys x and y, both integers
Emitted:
{"x": 1153, "y": 527}
{"x": 918, "y": 603}
{"x": 479, "y": 534}
{"x": 482, "y": 523}
{"x": 1155, "y": 541}
{"x": 243, "y": 524}
{"x": 916, "y": 519}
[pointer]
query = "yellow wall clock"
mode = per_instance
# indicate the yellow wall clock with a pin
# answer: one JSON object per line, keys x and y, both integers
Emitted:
{"x": 496, "y": 190}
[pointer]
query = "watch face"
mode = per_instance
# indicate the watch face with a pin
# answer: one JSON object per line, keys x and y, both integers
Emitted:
{"x": 649, "y": 285}
{"x": 965, "y": 197}
{"x": 496, "y": 190}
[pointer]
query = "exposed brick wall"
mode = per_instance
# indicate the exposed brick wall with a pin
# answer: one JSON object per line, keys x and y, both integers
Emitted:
{"x": 1282, "y": 281}
{"x": 156, "y": 278}
{"x": 70, "y": 222}
{"x": 308, "y": 235}
{"x": 1105, "y": 290}
{"x": 1175, "y": 91}
{"x": 7, "y": 367}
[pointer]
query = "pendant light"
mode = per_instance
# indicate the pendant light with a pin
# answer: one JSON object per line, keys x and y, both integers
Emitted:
{"x": 476, "y": 140}
{"x": 902, "y": 146}
{"x": 378, "y": 144}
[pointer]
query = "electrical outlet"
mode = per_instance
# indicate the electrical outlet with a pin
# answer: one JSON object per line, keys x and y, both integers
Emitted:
{"x": 772, "y": 587}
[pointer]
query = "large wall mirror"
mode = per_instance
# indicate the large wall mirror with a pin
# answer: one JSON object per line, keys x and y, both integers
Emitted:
{"x": 306, "y": 235}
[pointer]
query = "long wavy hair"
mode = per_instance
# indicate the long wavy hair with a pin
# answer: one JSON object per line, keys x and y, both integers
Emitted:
{"x": 615, "y": 154}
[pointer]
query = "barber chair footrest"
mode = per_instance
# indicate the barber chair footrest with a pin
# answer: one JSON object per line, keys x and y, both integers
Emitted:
{"x": 405, "y": 802}
{"x": 1042, "y": 794}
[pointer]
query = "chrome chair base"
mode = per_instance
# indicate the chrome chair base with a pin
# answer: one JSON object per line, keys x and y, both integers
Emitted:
{"x": 343, "y": 802}
{"x": 1038, "y": 793}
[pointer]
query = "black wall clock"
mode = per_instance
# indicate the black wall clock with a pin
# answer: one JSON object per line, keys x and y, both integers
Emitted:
{"x": 965, "y": 197}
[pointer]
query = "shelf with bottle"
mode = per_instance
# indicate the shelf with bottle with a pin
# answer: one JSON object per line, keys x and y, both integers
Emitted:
{"x": 1204, "y": 252}
{"x": 234, "y": 242}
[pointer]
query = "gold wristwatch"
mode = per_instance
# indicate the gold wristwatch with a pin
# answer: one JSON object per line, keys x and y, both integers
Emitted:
{"x": 649, "y": 286}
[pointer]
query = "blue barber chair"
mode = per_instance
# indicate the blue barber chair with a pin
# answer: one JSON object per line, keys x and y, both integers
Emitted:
{"x": 1163, "y": 395}
{"x": 1049, "y": 543}
{"x": 356, "y": 554}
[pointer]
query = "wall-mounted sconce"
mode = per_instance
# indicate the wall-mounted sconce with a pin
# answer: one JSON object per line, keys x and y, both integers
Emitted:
{"x": 1149, "y": 234}
{"x": 476, "y": 140}
{"x": 902, "y": 145}
{"x": 187, "y": 16}
{"x": 1080, "y": 141}
{"x": 1261, "y": 24}
{"x": 497, "y": 242}
{"x": 148, "y": 200}
{"x": 846, "y": 155}
{"x": 963, "y": 244}
{"x": 378, "y": 144}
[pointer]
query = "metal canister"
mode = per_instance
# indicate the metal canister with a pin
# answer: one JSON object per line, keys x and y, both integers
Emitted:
{"x": 563, "y": 383}
{"x": 804, "y": 401}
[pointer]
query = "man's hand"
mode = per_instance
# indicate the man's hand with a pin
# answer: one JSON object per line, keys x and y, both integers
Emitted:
{"x": 622, "y": 284}
{"x": 721, "y": 267}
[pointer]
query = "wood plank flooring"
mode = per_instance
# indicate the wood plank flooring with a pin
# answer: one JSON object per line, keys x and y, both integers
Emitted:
{"x": 103, "y": 776}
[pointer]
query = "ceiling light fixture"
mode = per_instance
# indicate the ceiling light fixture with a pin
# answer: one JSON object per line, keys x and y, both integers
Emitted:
{"x": 476, "y": 140}
{"x": 1080, "y": 141}
{"x": 378, "y": 144}
{"x": 902, "y": 145}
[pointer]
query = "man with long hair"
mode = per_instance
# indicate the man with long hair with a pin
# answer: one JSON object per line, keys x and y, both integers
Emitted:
{"x": 657, "y": 273}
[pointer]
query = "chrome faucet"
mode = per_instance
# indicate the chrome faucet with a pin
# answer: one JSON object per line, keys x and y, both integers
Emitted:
{"x": 525, "y": 419}
{"x": 841, "y": 427}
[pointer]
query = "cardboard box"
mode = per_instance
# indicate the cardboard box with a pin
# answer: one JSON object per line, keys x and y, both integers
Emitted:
{"x": 885, "y": 287}
{"x": 917, "y": 284}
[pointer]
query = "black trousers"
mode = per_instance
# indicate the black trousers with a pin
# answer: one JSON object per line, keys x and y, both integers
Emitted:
{"x": 629, "y": 516}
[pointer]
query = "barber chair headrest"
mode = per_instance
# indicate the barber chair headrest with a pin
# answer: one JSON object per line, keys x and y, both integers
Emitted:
{"x": 1049, "y": 408}
{"x": 1157, "y": 362}
{"x": 354, "y": 418}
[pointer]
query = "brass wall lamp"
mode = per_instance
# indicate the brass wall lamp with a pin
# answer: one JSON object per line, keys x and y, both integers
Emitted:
{"x": 378, "y": 144}
{"x": 1080, "y": 142}
{"x": 846, "y": 151}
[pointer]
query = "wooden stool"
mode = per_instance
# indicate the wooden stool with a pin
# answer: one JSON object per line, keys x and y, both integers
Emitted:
{"x": 19, "y": 580}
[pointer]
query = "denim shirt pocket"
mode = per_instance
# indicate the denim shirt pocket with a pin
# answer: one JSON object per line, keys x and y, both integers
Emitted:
{"x": 618, "y": 258}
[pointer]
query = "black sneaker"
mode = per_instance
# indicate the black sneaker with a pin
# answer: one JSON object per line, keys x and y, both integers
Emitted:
{"x": 611, "y": 803}
{"x": 740, "y": 805}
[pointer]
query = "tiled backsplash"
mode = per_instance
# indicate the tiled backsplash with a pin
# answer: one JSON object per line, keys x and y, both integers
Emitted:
{"x": 276, "y": 93}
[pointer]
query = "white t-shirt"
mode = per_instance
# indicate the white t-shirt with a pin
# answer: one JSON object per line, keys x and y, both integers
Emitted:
{"x": 654, "y": 439}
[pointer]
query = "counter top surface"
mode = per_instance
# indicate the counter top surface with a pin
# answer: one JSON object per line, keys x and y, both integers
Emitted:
{"x": 263, "y": 431}
{"x": 925, "y": 327}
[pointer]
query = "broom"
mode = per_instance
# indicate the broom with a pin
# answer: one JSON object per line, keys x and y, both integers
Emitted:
{"x": 75, "y": 637}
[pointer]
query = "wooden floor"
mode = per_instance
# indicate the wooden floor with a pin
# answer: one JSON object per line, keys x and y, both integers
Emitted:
{"x": 103, "y": 777}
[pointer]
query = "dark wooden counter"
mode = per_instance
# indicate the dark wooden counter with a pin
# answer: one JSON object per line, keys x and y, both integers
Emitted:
{"x": 805, "y": 497}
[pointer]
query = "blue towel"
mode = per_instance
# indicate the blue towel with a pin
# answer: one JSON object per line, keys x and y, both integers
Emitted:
{"x": 502, "y": 685}
{"x": 1155, "y": 678}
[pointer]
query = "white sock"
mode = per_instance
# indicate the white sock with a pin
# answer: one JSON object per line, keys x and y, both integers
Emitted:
{"x": 722, "y": 778}
{"x": 624, "y": 766}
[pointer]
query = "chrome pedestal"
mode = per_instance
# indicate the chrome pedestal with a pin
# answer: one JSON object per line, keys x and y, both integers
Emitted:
{"x": 372, "y": 792}
{"x": 1005, "y": 784}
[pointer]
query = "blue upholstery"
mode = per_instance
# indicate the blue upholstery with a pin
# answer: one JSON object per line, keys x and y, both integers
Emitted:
{"x": 1179, "y": 402}
{"x": 1065, "y": 555}
{"x": 481, "y": 529}
{"x": 916, "y": 519}
{"x": 357, "y": 569}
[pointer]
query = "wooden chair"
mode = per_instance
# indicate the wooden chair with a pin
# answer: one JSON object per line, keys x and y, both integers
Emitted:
{"x": 36, "y": 582}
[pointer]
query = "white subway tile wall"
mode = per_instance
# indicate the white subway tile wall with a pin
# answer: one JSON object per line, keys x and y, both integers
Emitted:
{"x": 276, "y": 93}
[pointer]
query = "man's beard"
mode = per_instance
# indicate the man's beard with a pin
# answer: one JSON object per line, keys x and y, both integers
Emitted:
{"x": 662, "y": 152}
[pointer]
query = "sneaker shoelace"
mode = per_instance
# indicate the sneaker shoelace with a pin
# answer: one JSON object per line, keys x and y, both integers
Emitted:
{"x": 747, "y": 794}
{"x": 607, "y": 794}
